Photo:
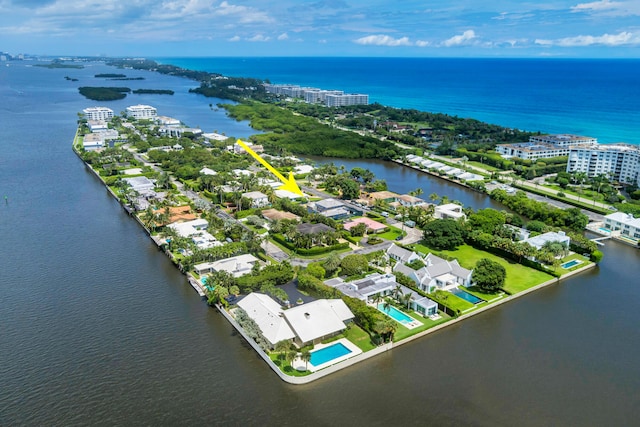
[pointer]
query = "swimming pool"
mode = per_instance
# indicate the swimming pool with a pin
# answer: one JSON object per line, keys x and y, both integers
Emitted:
{"x": 327, "y": 354}
{"x": 605, "y": 230}
{"x": 466, "y": 296}
{"x": 571, "y": 263}
{"x": 395, "y": 314}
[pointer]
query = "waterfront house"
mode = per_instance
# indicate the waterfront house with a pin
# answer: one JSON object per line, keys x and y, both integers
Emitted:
{"x": 92, "y": 142}
{"x": 552, "y": 236}
{"x": 623, "y": 225}
{"x": 437, "y": 274}
{"x": 237, "y": 266}
{"x": 410, "y": 201}
{"x": 316, "y": 321}
{"x": 449, "y": 210}
{"x": 141, "y": 184}
{"x": 268, "y": 316}
{"x": 365, "y": 288}
{"x": 97, "y": 125}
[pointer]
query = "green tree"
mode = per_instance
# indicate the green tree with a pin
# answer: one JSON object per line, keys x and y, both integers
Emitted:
{"x": 306, "y": 358}
{"x": 354, "y": 264}
{"x": 316, "y": 270}
{"x": 332, "y": 263}
{"x": 444, "y": 234}
{"x": 489, "y": 275}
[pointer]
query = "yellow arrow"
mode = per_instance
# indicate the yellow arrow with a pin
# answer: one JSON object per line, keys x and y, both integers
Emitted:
{"x": 289, "y": 184}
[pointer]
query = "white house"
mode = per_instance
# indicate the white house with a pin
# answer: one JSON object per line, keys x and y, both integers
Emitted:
{"x": 624, "y": 225}
{"x": 437, "y": 273}
{"x": 363, "y": 289}
{"x": 552, "y": 236}
{"x": 401, "y": 255}
{"x": 237, "y": 266}
{"x": 410, "y": 201}
{"x": 268, "y": 316}
{"x": 141, "y": 184}
{"x": 449, "y": 210}
{"x": 92, "y": 142}
{"x": 303, "y": 169}
{"x": 315, "y": 321}
{"x": 258, "y": 199}
{"x": 207, "y": 171}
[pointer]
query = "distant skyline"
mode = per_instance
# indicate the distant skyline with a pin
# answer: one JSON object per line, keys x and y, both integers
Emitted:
{"x": 455, "y": 28}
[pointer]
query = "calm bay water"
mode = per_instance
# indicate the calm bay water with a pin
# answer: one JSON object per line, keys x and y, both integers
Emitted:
{"x": 98, "y": 328}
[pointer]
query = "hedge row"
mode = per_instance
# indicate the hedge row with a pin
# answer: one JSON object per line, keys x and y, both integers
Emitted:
{"x": 279, "y": 238}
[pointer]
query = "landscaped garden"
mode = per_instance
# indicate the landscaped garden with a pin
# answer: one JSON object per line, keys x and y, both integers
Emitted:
{"x": 518, "y": 279}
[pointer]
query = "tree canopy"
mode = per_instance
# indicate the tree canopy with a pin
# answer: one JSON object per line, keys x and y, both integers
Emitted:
{"x": 489, "y": 275}
{"x": 444, "y": 234}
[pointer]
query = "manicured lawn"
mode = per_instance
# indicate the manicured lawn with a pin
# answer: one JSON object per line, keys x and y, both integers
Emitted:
{"x": 519, "y": 277}
{"x": 259, "y": 230}
{"x": 584, "y": 259}
{"x": 391, "y": 234}
{"x": 285, "y": 366}
{"x": 476, "y": 291}
{"x": 403, "y": 332}
{"x": 356, "y": 335}
{"x": 483, "y": 166}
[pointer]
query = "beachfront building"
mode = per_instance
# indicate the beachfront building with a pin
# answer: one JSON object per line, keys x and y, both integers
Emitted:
{"x": 449, "y": 211}
{"x": 98, "y": 113}
{"x": 618, "y": 162}
{"x": 623, "y": 225}
{"x": 141, "y": 112}
{"x": 544, "y": 146}
{"x": 319, "y": 96}
{"x": 140, "y": 184}
{"x": 236, "y": 266}
{"x": 346, "y": 99}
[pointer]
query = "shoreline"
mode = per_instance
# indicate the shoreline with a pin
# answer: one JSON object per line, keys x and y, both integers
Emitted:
{"x": 299, "y": 380}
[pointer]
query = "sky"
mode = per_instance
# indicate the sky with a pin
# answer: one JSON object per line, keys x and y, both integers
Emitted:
{"x": 453, "y": 28}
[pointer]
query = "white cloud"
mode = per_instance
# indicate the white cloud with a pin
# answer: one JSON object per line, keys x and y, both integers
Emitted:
{"x": 621, "y": 39}
{"x": 422, "y": 43}
{"x": 234, "y": 39}
{"x": 596, "y": 5}
{"x": 460, "y": 39}
{"x": 258, "y": 38}
{"x": 283, "y": 36}
{"x": 383, "y": 40}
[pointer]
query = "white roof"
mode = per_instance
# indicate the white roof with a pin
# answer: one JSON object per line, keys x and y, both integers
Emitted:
{"x": 189, "y": 228}
{"x": 207, "y": 171}
{"x": 236, "y": 266}
{"x": 254, "y": 195}
{"x": 303, "y": 168}
{"x": 286, "y": 194}
{"x": 268, "y": 316}
{"x": 318, "y": 318}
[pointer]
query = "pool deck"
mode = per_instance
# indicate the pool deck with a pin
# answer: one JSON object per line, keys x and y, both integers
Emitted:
{"x": 354, "y": 351}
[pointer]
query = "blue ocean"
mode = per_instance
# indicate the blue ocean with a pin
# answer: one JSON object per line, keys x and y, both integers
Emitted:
{"x": 594, "y": 97}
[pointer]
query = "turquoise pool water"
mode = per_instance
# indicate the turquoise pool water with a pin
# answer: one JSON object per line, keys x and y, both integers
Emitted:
{"x": 203, "y": 279}
{"x": 395, "y": 314}
{"x": 465, "y": 296}
{"x": 606, "y": 230}
{"x": 327, "y": 354}
{"x": 571, "y": 263}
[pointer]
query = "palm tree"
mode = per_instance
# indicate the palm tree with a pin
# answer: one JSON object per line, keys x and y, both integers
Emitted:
{"x": 406, "y": 299}
{"x": 377, "y": 298}
{"x": 434, "y": 198}
{"x": 386, "y": 306}
{"x": 306, "y": 357}
{"x": 397, "y": 292}
{"x": 282, "y": 347}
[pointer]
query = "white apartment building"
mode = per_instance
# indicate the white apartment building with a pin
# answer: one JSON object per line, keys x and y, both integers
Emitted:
{"x": 98, "y": 113}
{"x": 618, "y": 162}
{"x": 142, "y": 112}
{"x": 319, "y": 96}
{"x": 544, "y": 146}
{"x": 346, "y": 99}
